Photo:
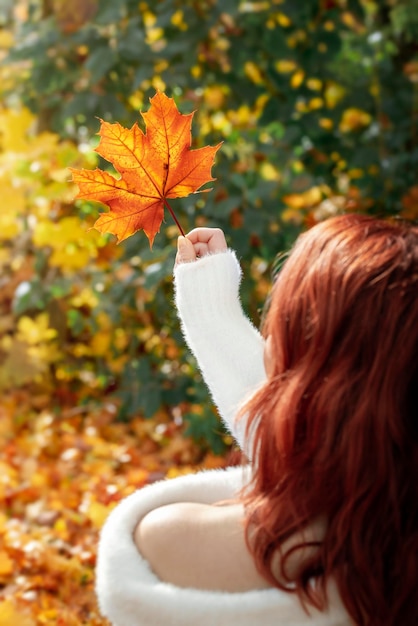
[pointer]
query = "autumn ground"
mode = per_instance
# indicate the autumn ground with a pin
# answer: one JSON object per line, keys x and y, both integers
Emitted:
{"x": 60, "y": 475}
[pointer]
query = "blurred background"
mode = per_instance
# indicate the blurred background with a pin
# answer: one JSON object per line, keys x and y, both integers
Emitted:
{"x": 317, "y": 105}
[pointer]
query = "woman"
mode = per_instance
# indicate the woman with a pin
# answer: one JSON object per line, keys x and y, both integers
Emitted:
{"x": 322, "y": 526}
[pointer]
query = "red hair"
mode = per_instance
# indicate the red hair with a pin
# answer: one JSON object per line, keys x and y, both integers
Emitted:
{"x": 336, "y": 423}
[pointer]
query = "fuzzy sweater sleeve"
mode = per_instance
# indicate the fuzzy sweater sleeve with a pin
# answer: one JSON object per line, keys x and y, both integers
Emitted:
{"x": 228, "y": 348}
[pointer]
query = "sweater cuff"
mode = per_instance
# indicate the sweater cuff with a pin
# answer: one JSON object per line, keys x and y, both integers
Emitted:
{"x": 208, "y": 287}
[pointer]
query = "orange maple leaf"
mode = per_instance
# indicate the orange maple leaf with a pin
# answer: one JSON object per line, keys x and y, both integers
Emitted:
{"x": 153, "y": 166}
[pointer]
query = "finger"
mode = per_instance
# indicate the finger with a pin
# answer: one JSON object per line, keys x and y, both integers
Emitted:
{"x": 185, "y": 251}
{"x": 201, "y": 234}
{"x": 201, "y": 249}
{"x": 217, "y": 242}
{"x": 214, "y": 238}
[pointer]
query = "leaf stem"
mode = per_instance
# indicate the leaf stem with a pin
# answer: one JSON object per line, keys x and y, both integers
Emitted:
{"x": 173, "y": 215}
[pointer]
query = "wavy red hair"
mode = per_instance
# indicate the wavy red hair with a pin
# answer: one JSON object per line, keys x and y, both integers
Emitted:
{"x": 336, "y": 423}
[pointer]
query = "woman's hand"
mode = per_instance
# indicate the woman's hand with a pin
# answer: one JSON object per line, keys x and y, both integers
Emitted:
{"x": 200, "y": 242}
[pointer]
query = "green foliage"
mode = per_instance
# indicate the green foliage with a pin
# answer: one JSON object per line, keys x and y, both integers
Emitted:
{"x": 316, "y": 103}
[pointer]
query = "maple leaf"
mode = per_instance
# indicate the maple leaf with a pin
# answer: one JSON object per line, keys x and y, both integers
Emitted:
{"x": 153, "y": 166}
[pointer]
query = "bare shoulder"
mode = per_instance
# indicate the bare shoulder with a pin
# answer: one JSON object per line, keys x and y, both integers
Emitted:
{"x": 198, "y": 545}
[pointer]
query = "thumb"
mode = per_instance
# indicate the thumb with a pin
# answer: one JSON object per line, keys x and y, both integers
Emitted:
{"x": 185, "y": 250}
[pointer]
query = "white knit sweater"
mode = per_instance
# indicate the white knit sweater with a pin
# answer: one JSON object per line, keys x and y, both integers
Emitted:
{"x": 229, "y": 351}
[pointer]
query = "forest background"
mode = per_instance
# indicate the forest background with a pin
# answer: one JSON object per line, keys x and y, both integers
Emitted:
{"x": 317, "y": 105}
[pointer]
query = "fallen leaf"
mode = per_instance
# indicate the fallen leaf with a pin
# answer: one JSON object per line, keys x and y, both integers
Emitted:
{"x": 9, "y": 615}
{"x": 6, "y": 564}
{"x": 153, "y": 166}
{"x": 97, "y": 514}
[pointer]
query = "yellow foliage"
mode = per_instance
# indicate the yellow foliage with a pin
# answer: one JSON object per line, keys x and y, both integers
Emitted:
{"x": 177, "y": 19}
{"x": 314, "y": 84}
{"x": 100, "y": 343}
{"x": 102, "y": 340}
{"x": 260, "y": 103}
{"x": 58, "y": 234}
{"x": 18, "y": 367}
{"x": 285, "y": 66}
{"x": 296, "y": 37}
{"x": 18, "y": 140}
{"x": 297, "y": 79}
{"x": 160, "y": 66}
{"x": 352, "y": 22}
{"x": 292, "y": 216}
{"x": 297, "y": 166}
{"x": 305, "y": 199}
{"x": 301, "y": 106}
{"x": 73, "y": 246}
{"x": 253, "y": 72}
{"x": 283, "y": 20}
{"x": 136, "y": 100}
{"x": 32, "y": 349}
{"x": 35, "y": 331}
{"x": 196, "y": 71}
{"x": 221, "y": 43}
{"x": 355, "y": 173}
{"x": 269, "y": 172}
{"x": 326, "y": 123}
{"x": 86, "y": 298}
{"x": 354, "y": 119}
{"x": 14, "y": 127}
{"x": 117, "y": 364}
{"x": 154, "y": 35}
{"x": 219, "y": 121}
{"x": 148, "y": 16}
{"x": 244, "y": 116}
{"x": 121, "y": 339}
{"x": 214, "y": 96}
{"x": 333, "y": 94}
{"x": 6, "y": 39}
{"x": 70, "y": 258}
{"x": 13, "y": 205}
{"x": 158, "y": 83}
{"x": 79, "y": 350}
{"x": 315, "y": 103}
{"x": 9, "y": 614}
